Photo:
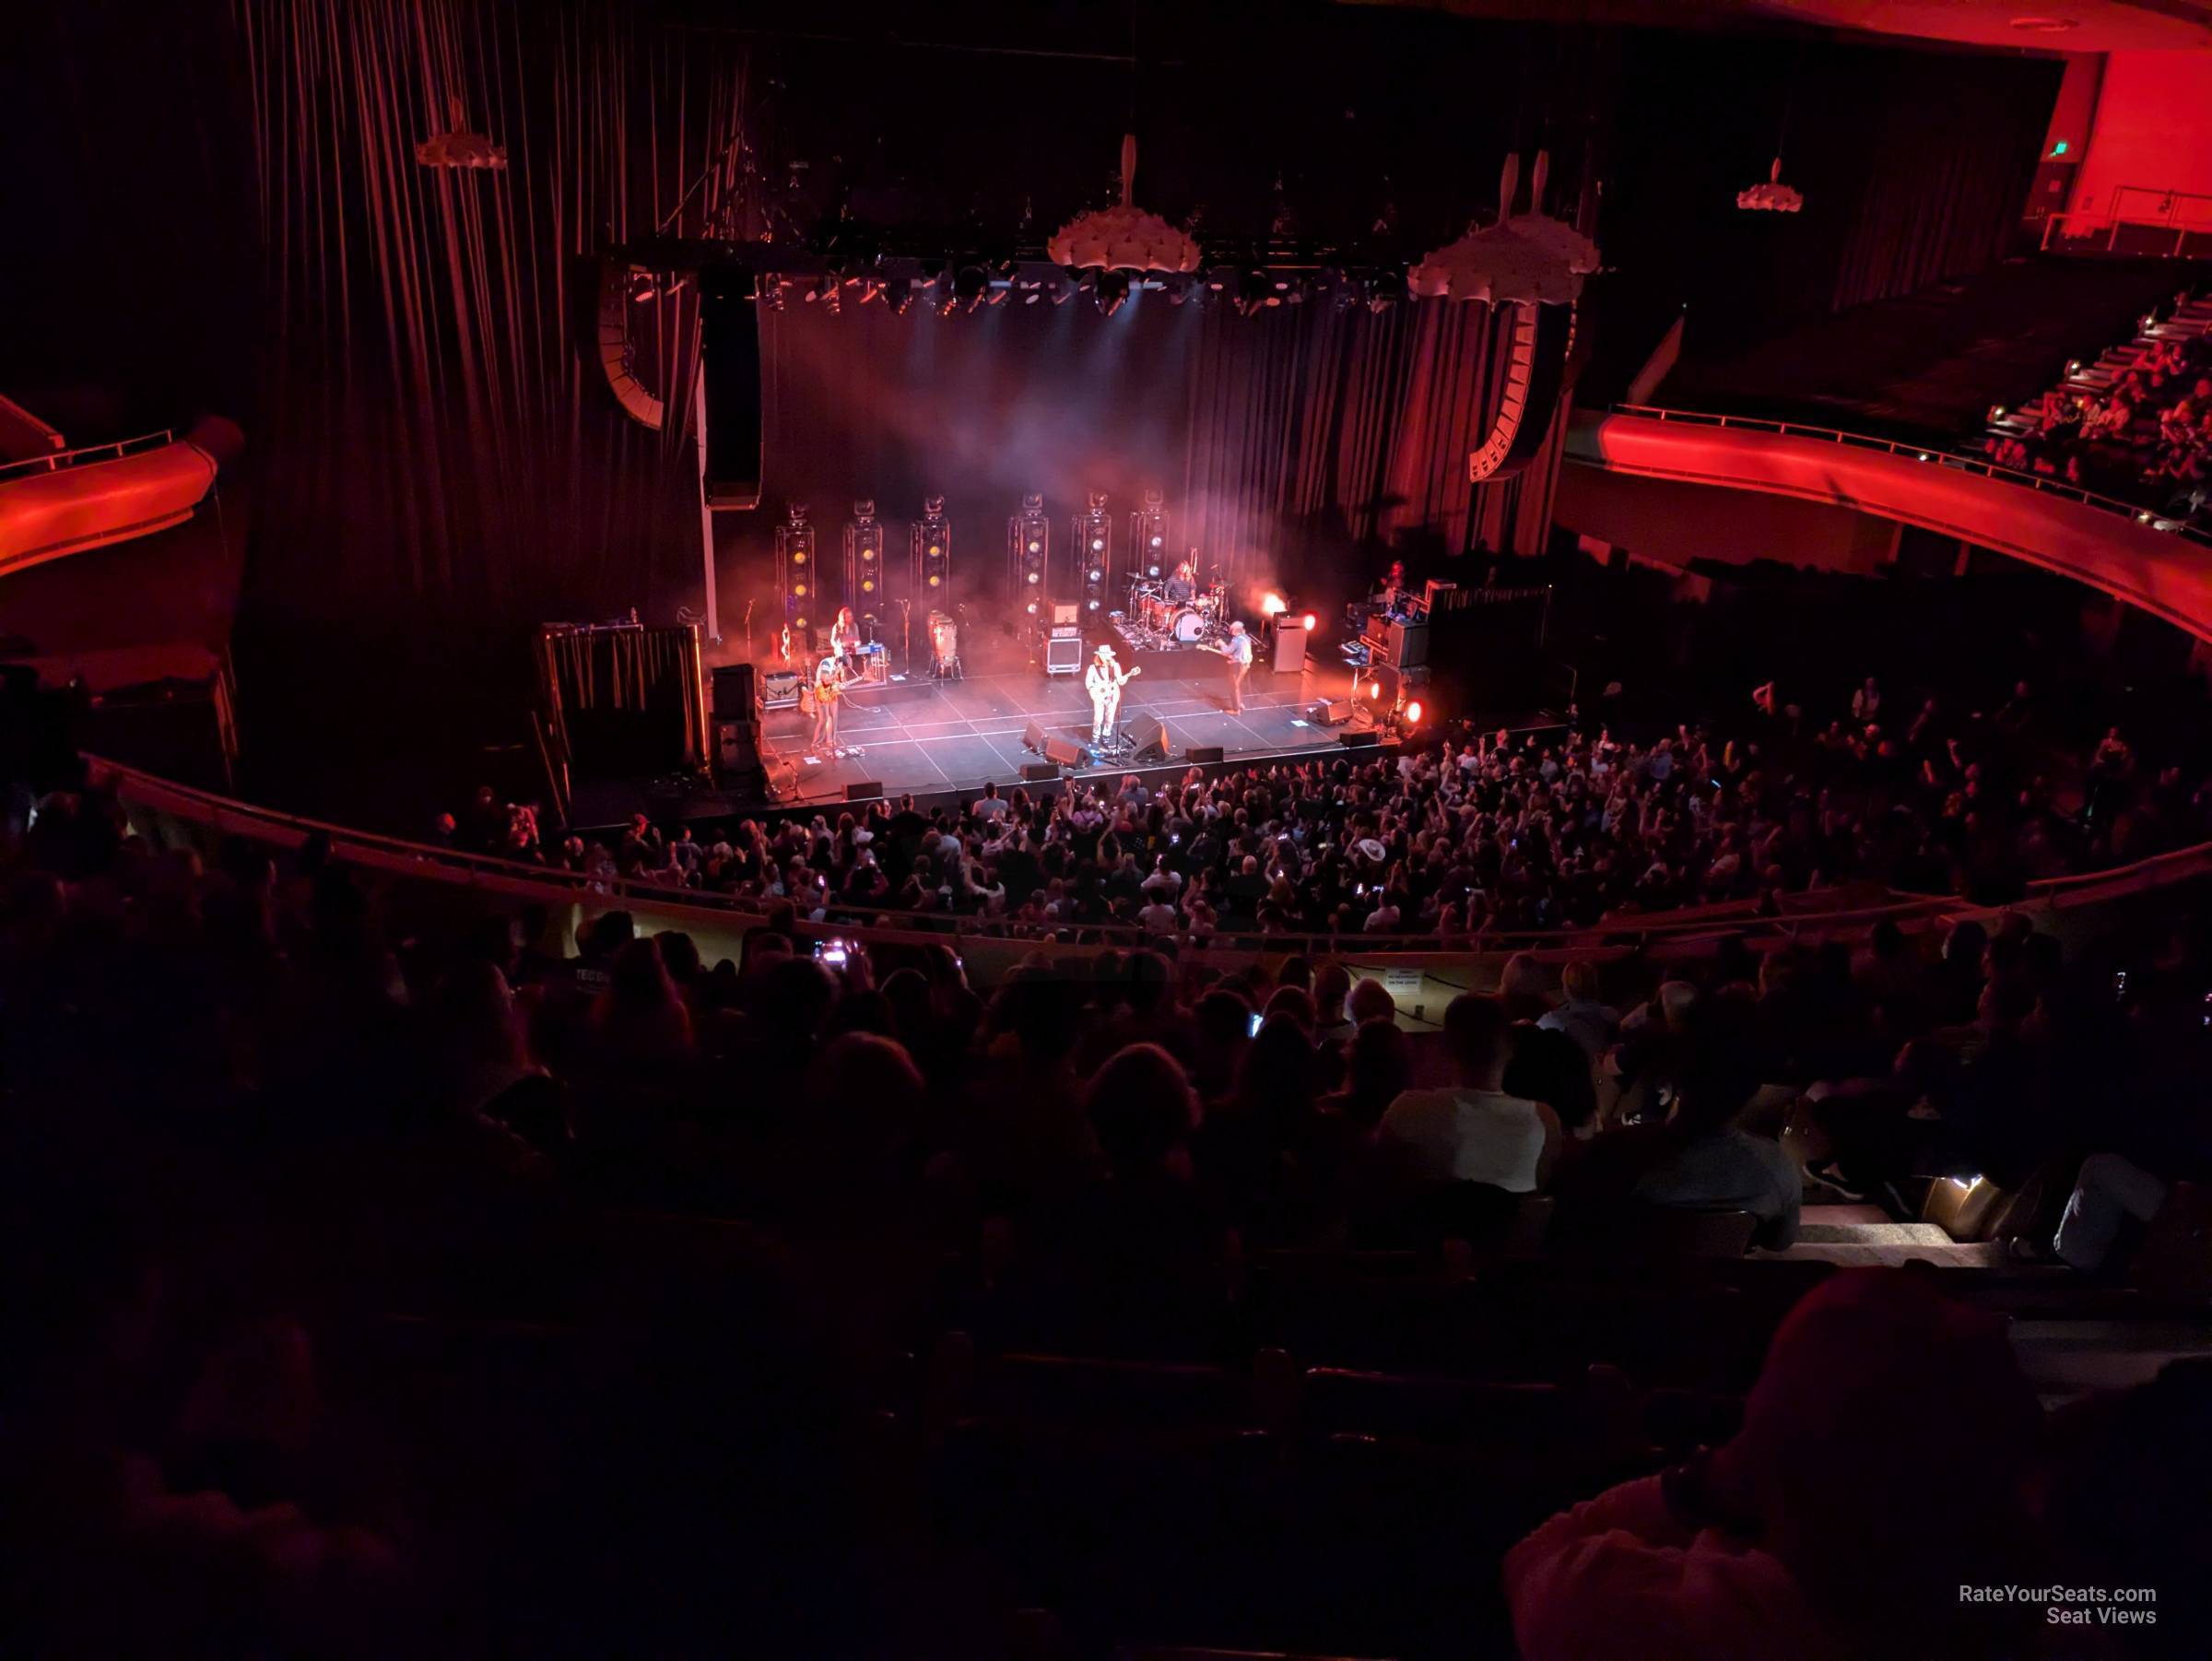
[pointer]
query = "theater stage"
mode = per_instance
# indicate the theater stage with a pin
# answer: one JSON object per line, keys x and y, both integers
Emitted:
{"x": 928, "y": 737}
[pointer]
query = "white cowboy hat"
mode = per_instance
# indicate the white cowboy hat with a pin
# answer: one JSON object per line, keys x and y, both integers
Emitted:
{"x": 1103, "y": 652}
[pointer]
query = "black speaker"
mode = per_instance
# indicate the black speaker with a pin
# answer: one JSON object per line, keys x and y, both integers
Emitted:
{"x": 737, "y": 755}
{"x": 1149, "y": 733}
{"x": 1203, "y": 753}
{"x": 729, "y": 356}
{"x": 1039, "y": 772}
{"x": 867, "y": 790}
{"x": 1366, "y": 740}
{"x": 1062, "y": 753}
{"x": 1329, "y": 711}
{"x": 1032, "y": 737}
{"x": 735, "y": 698}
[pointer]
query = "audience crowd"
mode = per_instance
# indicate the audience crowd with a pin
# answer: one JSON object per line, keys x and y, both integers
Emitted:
{"x": 1469, "y": 835}
{"x": 254, "y": 1104}
{"x": 2147, "y": 437}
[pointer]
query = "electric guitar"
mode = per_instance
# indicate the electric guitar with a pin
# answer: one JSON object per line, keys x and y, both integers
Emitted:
{"x": 1121, "y": 678}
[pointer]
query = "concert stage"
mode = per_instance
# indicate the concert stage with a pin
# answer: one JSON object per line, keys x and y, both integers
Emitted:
{"x": 931, "y": 737}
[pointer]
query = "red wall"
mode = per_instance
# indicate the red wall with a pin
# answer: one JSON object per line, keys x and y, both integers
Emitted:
{"x": 2153, "y": 128}
{"x": 1675, "y": 523}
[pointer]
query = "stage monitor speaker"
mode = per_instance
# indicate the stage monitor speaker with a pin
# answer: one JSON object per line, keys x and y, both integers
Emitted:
{"x": 1061, "y": 753}
{"x": 1290, "y": 655}
{"x": 1032, "y": 737}
{"x": 1039, "y": 772}
{"x": 1366, "y": 740}
{"x": 729, "y": 356}
{"x": 1202, "y": 754}
{"x": 1329, "y": 711}
{"x": 867, "y": 790}
{"x": 1148, "y": 739}
{"x": 735, "y": 698}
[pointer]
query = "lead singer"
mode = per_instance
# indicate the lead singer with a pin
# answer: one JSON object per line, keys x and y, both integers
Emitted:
{"x": 1103, "y": 680}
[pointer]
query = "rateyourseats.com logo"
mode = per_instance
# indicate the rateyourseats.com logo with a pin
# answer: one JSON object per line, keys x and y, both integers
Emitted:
{"x": 2076, "y": 1606}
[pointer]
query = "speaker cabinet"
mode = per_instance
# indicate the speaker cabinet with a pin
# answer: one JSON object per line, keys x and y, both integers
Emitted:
{"x": 867, "y": 790}
{"x": 1329, "y": 711}
{"x": 1039, "y": 772}
{"x": 1149, "y": 735}
{"x": 1032, "y": 737}
{"x": 1290, "y": 655}
{"x": 1064, "y": 655}
{"x": 734, "y": 695}
{"x": 1366, "y": 740}
{"x": 729, "y": 356}
{"x": 1202, "y": 754}
{"x": 1060, "y": 752}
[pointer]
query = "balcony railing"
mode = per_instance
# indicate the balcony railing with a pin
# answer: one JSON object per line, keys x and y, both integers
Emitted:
{"x": 85, "y": 454}
{"x": 1932, "y": 455}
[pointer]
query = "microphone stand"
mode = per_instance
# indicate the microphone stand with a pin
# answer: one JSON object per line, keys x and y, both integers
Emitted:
{"x": 906, "y": 633}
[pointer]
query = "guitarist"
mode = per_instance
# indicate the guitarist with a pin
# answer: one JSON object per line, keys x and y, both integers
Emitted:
{"x": 829, "y": 691}
{"x": 1237, "y": 648}
{"x": 1105, "y": 680}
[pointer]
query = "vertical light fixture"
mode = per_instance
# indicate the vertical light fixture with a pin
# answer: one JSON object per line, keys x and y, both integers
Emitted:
{"x": 1028, "y": 555}
{"x": 1093, "y": 534}
{"x": 796, "y": 573}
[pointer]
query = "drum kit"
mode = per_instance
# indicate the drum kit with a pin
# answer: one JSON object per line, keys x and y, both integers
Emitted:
{"x": 1153, "y": 620}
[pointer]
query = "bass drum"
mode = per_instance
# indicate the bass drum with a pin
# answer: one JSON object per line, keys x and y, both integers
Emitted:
{"x": 1189, "y": 626}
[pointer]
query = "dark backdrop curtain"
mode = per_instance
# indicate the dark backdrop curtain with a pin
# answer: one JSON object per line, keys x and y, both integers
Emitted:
{"x": 1915, "y": 165}
{"x": 434, "y": 443}
{"x": 1292, "y": 446}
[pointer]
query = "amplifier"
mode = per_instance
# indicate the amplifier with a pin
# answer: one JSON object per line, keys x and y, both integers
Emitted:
{"x": 1062, "y": 631}
{"x": 1064, "y": 654}
{"x": 779, "y": 689}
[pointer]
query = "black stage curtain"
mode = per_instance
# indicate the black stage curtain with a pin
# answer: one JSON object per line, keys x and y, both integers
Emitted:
{"x": 628, "y": 700}
{"x": 1291, "y": 446}
{"x": 435, "y": 446}
{"x": 1915, "y": 166}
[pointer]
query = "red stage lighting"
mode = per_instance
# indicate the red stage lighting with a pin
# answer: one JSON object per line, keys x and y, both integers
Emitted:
{"x": 1309, "y": 621}
{"x": 1412, "y": 714}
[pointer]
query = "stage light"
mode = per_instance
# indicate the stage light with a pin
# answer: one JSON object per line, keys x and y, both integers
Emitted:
{"x": 1148, "y": 530}
{"x": 1309, "y": 619}
{"x": 1094, "y": 530}
{"x": 1413, "y": 713}
{"x": 929, "y": 547}
{"x": 1028, "y": 550}
{"x": 2059, "y": 149}
{"x": 1112, "y": 290}
{"x": 969, "y": 284}
{"x": 794, "y": 570}
{"x": 1272, "y": 604}
{"x": 903, "y": 300}
{"x": 864, "y": 549}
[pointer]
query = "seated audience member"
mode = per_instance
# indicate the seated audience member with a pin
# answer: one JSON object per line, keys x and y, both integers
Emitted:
{"x": 1707, "y": 1160}
{"x": 1134, "y": 1253}
{"x": 2124, "y": 1500}
{"x": 1551, "y": 1067}
{"x": 1472, "y": 1131}
{"x": 1378, "y": 1070}
{"x": 1582, "y": 1015}
{"x": 1822, "y": 1529}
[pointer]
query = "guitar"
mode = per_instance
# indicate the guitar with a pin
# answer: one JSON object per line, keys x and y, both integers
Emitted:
{"x": 1120, "y": 679}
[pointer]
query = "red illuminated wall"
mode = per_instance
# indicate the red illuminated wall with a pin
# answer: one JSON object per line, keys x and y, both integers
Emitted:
{"x": 2153, "y": 127}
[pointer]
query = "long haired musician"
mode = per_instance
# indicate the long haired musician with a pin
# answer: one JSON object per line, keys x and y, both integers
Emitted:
{"x": 829, "y": 692}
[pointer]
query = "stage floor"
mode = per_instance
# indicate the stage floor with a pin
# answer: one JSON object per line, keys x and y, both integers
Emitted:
{"x": 937, "y": 736}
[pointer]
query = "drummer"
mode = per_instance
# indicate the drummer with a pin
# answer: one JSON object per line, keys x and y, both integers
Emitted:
{"x": 1183, "y": 581}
